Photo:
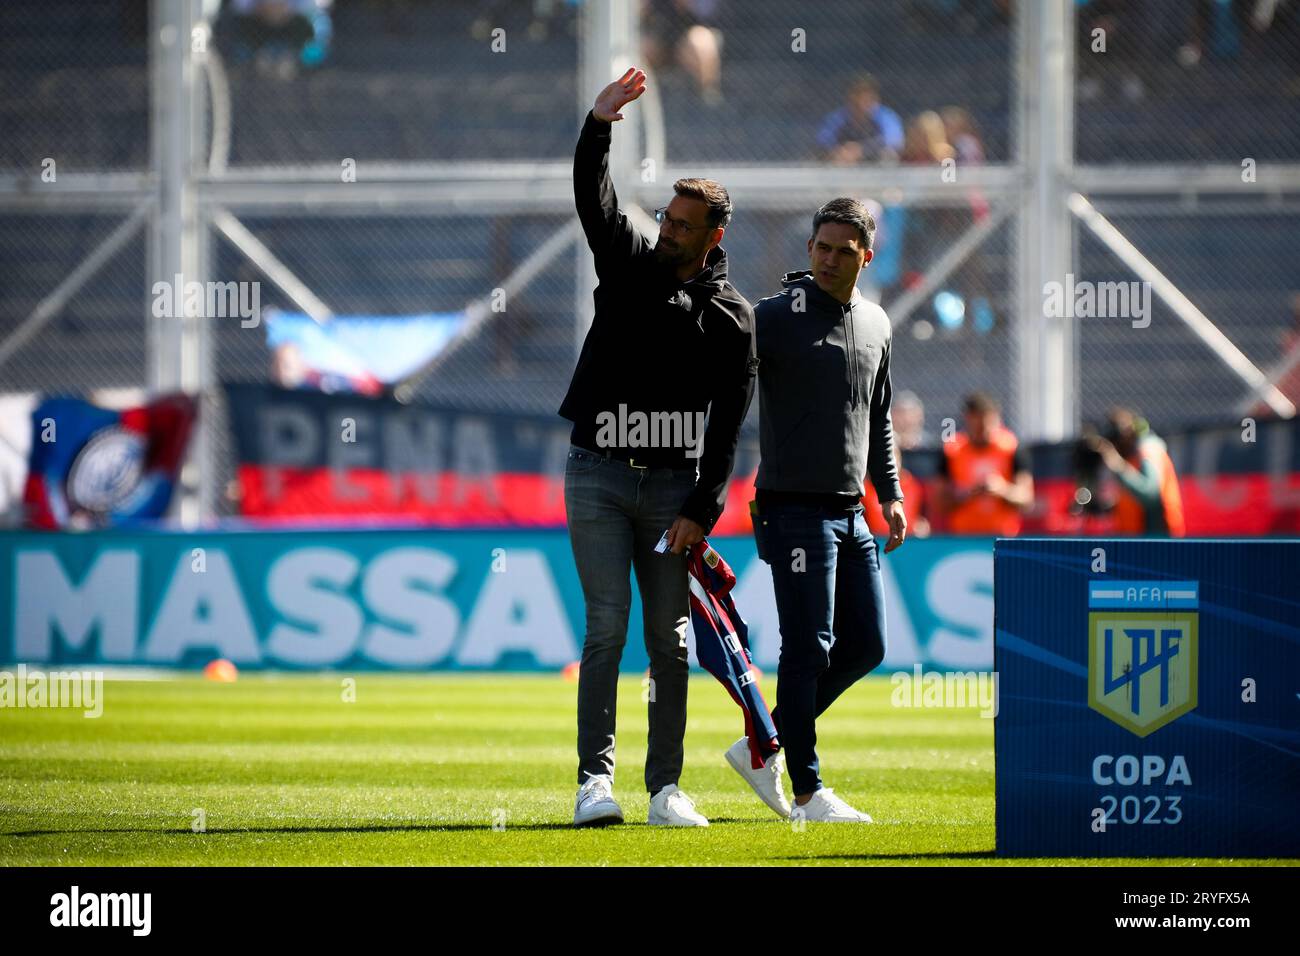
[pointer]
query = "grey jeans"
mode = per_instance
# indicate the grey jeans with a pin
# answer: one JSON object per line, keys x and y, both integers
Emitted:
{"x": 616, "y": 515}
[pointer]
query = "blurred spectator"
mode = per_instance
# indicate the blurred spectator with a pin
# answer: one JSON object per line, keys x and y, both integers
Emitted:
{"x": 926, "y": 141}
{"x": 914, "y": 500}
{"x": 686, "y": 29}
{"x": 1120, "y": 32}
{"x": 863, "y": 130}
{"x": 960, "y": 131}
{"x": 1215, "y": 26}
{"x": 984, "y": 479}
{"x": 940, "y": 226}
{"x": 915, "y": 230}
{"x": 279, "y": 35}
{"x": 1149, "y": 502}
{"x": 1228, "y": 29}
{"x": 908, "y": 414}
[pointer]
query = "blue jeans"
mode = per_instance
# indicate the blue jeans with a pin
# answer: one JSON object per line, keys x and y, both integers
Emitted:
{"x": 616, "y": 515}
{"x": 831, "y": 605}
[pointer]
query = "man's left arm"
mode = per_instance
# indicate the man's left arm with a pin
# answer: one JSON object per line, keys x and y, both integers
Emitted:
{"x": 737, "y": 366}
{"x": 882, "y": 465}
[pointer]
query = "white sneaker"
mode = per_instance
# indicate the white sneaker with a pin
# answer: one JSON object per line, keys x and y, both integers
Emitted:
{"x": 825, "y": 807}
{"x": 595, "y": 805}
{"x": 766, "y": 781}
{"x": 672, "y": 808}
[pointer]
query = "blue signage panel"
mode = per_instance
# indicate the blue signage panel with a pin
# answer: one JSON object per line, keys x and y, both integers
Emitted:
{"x": 412, "y": 599}
{"x": 1149, "y": 697}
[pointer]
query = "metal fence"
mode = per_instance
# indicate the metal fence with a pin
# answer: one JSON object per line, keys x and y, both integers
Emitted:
{"x": 375, "y": 157}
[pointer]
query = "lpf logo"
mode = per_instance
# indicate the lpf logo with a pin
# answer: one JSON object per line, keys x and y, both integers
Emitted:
{"x": 1142, "y": 651}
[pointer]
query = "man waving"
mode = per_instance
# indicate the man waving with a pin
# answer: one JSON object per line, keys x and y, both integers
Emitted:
{"x": 671, "y": 341}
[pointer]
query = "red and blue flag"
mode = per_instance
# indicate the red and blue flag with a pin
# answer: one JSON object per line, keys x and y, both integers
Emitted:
{"x": 95, "y": 467}
{"x": 722, "y": 645}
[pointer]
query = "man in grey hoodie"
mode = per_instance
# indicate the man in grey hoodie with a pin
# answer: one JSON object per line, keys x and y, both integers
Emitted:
{"x": 824, "y": 424}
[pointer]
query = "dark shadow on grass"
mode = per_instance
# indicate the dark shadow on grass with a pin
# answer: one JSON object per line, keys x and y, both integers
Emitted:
{"x": 370, "y": 828}
{"x": 901, "y": 855}
{"x": 395, "y": 828}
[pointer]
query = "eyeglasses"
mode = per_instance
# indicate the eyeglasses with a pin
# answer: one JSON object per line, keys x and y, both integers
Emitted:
{"x": 675, "y": 225}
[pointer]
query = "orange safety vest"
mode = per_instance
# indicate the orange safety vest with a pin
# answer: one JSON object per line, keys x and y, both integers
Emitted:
{"x": 913, "y": 503}
{"x": 968, "y": 464}
{"x": 1129, "y": 515}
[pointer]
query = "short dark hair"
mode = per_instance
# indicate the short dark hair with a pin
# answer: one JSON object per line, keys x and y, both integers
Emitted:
{"x": 981, "y": 402}
{"x": 849, "y": 211}
{"x": 712, "y": 194}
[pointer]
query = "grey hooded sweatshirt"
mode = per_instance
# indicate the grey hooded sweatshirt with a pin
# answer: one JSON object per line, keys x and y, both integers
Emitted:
{"x": 824, "y": 393}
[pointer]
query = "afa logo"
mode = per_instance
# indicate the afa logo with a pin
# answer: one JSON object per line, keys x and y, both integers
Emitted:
{"x": 1142, "y": 651}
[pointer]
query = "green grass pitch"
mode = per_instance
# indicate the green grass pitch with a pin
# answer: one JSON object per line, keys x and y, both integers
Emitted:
{"x": 460, "y": 770}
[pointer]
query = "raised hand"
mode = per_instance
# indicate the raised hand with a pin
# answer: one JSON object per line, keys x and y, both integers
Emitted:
{"x": 618, "y": 94}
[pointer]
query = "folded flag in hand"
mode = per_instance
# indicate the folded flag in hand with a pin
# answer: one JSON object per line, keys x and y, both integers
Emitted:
{"x": 722, "y": 645}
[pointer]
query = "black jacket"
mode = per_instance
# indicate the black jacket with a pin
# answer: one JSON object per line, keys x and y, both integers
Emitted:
{"x": 824, "y": 393}
{"x": 656, "y": 344}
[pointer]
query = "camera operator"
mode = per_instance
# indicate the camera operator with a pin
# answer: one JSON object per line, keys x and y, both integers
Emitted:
{"x": 1149, "y": 502}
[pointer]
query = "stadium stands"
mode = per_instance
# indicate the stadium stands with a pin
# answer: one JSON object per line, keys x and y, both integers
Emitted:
{"x": 419, "y": 88}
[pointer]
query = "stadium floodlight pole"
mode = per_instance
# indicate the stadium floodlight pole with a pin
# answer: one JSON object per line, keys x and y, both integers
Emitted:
{"x": 1046, "y": 363}
{"x": 215, "y": 106}
{"x": 608, "y": 41}
{"x": 172, "y": 233}
{"x": 174, "y": 345}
